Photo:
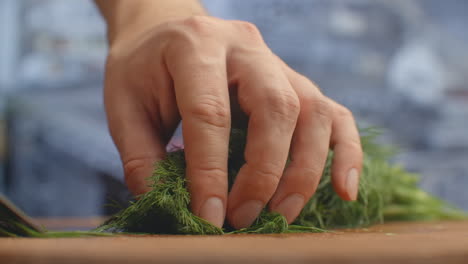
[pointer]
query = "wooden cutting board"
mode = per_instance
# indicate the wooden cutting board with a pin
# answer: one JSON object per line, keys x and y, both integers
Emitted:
{"x": 442, "y": 242}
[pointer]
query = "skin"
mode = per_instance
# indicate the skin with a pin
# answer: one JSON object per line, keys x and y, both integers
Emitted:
{"x": 169, "y": 61}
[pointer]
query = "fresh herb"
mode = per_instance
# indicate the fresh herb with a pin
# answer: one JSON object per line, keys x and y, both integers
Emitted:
{"x": 386, "y": 193}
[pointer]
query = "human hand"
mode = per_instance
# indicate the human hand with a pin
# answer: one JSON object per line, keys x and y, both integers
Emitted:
{"x": 187, "y": 69}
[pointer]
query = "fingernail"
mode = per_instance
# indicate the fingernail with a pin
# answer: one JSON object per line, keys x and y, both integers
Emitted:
{"x": 291, "y": 206}
{"x": 246, "y": 214}
{"x": 352, "y": 184}
{"x": 213, "y": 211}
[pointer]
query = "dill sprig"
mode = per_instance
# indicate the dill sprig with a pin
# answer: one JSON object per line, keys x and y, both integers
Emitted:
{"x": 164, "y": 209}
{"x": 387, "y": 192}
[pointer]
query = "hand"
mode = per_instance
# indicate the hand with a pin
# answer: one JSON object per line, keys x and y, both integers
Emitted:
{"x": 183, "y": 69}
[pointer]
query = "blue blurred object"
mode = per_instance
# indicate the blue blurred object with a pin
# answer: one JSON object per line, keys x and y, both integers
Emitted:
{"x": 63, "y": 160}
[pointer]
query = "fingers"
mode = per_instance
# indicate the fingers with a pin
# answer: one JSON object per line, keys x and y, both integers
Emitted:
{"x": 140, "y": 144}
{"x": 265, "y": 95}
{"x": 348, "y": 155}
{"x": 203, "y": 100}
{"x": 321, "y": 124}
{"x": 309, "y": 150}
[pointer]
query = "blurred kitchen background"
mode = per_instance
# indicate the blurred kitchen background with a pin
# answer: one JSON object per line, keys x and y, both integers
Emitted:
{"x": 398, "y": 64}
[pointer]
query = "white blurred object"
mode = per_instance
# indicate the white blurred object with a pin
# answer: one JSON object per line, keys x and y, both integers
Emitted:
{"x": 66, "y": 43}
{"x": 67, "y": 19}
{"x": 346, "y": 22}
{"x": 418, "y": 72}
{"x": 38, "y": 68}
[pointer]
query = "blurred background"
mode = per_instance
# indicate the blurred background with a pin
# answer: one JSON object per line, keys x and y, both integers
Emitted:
{"x": 398, "y": 64}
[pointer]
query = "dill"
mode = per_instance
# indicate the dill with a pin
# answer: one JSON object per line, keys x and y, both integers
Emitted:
{"x": 387, "y": 192}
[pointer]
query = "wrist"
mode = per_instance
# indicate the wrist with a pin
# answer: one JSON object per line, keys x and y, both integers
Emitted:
{"x": 128, "y": 19}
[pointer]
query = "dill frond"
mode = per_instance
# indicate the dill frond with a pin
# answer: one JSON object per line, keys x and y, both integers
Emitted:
{"x": 386, "y": 193}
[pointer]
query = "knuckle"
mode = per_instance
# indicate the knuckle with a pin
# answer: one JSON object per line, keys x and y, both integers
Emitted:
{"x": 249, "y": 30}
{"x": 321, "y": 107}
{"x": 305, "y": 178}
{"x": 180, "y": 39}
{"x": 200, "y": 24}
{"x": 304, "y": 169}
{"x": 187, "y": 34}
{"x": 248, "y": 27}
{"x": 353, "y": 145}
{"x": 211, "y": 110}
{"x": 311, "y": 179}
{"x": 268, "y": 175}
{"x": 343, "y": 112}
{"x": 310, "y": 172}
{"x": 211, "y": 175}
{"x": 134, "y": 167}
{"x": 285, "y": 104}
{"x": 206, "y": 62}
{"x": 353, "y": 151}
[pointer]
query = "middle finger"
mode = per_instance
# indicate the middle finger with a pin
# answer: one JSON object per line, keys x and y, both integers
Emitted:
{"x": 266, "y": 96}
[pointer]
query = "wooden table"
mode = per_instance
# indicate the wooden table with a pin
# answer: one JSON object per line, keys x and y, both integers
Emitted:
{"x": 442, "y": 242}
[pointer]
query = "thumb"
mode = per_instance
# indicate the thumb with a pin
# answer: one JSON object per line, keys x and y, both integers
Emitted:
{"x": 139, "y": 143}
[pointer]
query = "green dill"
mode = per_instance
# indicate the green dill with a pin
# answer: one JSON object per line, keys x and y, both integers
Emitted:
{"x": 387, "y": 192}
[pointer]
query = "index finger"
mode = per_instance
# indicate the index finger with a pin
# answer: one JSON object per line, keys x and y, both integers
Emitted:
{"x": 203, "y": 100}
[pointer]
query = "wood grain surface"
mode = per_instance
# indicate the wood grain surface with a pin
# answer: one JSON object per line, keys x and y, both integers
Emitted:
{"x": 442, "y": 242}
